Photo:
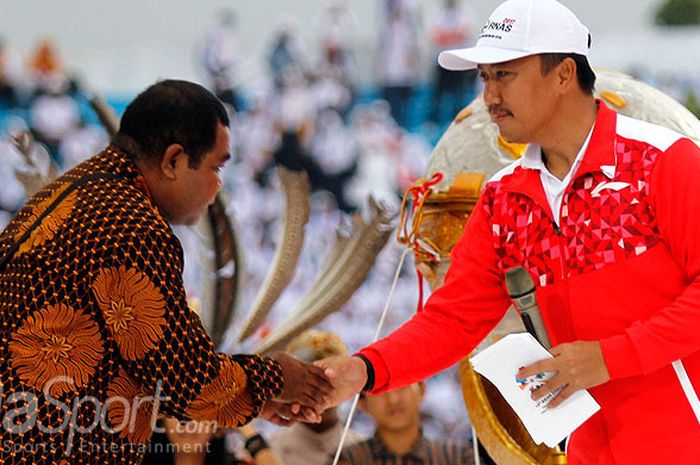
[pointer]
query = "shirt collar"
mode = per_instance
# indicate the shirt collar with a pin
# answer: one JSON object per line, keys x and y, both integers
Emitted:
{"x": 119, "y": 162}
{"x": 532, "y": 159}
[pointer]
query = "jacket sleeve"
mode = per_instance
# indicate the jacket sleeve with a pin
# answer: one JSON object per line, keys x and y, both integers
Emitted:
{"x": 456, "y": 317}
{"x": 163, "y": 346}
{"x": 671, "y": 333}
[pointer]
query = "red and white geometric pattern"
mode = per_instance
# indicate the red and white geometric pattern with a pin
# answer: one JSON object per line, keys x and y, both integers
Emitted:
{"x": 603, "y": 221}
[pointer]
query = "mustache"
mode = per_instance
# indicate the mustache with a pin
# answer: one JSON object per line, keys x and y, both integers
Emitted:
{"x": 498, "y": 109}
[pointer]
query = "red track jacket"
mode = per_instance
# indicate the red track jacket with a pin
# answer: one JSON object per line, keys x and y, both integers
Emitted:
{"x": 622, "y": 269}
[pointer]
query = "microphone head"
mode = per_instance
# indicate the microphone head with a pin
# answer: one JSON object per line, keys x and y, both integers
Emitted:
{"x": 519, "y": 282}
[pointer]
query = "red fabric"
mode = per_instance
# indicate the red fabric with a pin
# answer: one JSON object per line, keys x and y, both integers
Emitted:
{"x": 625, "y": 271}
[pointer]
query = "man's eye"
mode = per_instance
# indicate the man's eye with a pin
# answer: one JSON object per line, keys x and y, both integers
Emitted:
{"x": 483, "y": 77}
{"x": 501, "y": 74}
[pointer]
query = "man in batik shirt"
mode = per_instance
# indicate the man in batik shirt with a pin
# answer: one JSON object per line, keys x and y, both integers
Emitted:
{"x": 96, "y": 338}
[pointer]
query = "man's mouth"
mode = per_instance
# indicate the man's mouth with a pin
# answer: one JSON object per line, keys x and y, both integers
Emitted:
{"x": 499, "y": 114}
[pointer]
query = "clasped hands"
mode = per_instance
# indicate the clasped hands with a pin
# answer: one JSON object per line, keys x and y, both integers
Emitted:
{"x": 310, "y": 389}
{"x": 304, "y": 395}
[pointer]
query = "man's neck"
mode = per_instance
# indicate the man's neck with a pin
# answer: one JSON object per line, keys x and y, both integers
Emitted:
{"x": 566, "y": 135}
{"x": 400, "y": 442}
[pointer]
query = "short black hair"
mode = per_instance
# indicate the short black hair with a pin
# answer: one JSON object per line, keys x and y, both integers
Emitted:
{"x": 584, "y": 72}
{"x": 171, "y": 112}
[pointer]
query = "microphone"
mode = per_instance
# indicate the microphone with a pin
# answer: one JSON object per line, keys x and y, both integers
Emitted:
{"x": 521, "y": 289}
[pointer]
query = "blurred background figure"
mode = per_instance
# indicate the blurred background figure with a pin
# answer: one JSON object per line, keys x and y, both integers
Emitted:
{"x": 378, "y": 137}
{"x": 220, "y": 58}
{"x": 54, "y": 114}
{"x": 189, "y": 443}
{"x": 9, "y": 97}
{"x": 80, "y": 142}
{"x": 398, "y": 55}
{"x": 286, "y": 52}
{"x": 255, "y": 137}
{"x": 258, "y": 451}
{"x": 331, "y": 90}
{"x": 336, "y": 26}
{"x": 450, "y": 28}
{"x": 46, "y": 70}
{"x": 295, "y": 115}
{"x": 335, "y": 152}
{"x": 398, "y": 436}
{"x": 201, "y": 443}
{"x": 12, "y": 193}
{"x": 54, "y": 111}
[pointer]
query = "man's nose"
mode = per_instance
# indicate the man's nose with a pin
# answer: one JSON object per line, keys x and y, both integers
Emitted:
{"x": 492, "y": 93}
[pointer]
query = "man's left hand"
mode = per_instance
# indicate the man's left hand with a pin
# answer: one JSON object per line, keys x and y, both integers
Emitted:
{"x": 577, "y": 365}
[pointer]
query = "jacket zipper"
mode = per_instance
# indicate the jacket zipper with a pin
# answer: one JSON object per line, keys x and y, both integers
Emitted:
{"x": 559, "y": 234}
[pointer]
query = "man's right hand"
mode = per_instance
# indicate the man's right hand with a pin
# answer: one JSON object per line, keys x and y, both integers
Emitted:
{"x": 304, "y": 383}
{"x": 348, "y": 376}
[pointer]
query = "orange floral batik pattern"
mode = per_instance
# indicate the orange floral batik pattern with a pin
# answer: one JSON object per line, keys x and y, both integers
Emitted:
{"x": 130, "y": 409}
{"x": 97, "y": 298}
{"x": 133, "y": 308}
{"x": 57, "y": 341}
{"x": 225, "y": 399}
{"x": 53, "y": 221}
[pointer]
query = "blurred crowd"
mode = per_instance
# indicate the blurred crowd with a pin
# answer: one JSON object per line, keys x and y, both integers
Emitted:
{"x": 309, "y": 111}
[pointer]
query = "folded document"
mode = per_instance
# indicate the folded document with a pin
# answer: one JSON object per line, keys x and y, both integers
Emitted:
{"x": 500, "y": 363}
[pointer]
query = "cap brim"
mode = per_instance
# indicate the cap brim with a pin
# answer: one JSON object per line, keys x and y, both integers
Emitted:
{"x": 469, "y": 58}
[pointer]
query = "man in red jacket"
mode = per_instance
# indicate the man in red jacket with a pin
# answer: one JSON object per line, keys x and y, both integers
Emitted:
{"x": 600, "y": 211}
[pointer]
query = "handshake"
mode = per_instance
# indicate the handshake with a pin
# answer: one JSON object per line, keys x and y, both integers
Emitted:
{"x": 310, "y": 389}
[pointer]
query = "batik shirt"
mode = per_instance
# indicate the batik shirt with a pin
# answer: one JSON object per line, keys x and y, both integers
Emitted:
{"x": 97, "y": 337}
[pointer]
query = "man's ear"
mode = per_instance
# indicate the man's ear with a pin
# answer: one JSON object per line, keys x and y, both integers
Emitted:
{"x": 566, "y": 74}
{"x": 174, "y": 158}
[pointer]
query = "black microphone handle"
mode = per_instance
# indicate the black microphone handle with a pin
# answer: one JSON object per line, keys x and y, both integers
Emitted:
{"x": 528, "y": 325}
{"x": 533, "y": 323}
{"x": 521, "y": 289}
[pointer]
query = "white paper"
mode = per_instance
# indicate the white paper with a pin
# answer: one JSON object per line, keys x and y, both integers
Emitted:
{"x": 500, "y": 363}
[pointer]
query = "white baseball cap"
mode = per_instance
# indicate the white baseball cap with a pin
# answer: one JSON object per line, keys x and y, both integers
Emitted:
{"x": 520, "y": 28}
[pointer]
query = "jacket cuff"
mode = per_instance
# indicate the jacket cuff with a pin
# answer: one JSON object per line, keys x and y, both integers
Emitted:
{"x": 621, "y": 357}
{"x": 379, "y": 370}
{"x": 370, "y": 373}
{"x": 265, "y": 378}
